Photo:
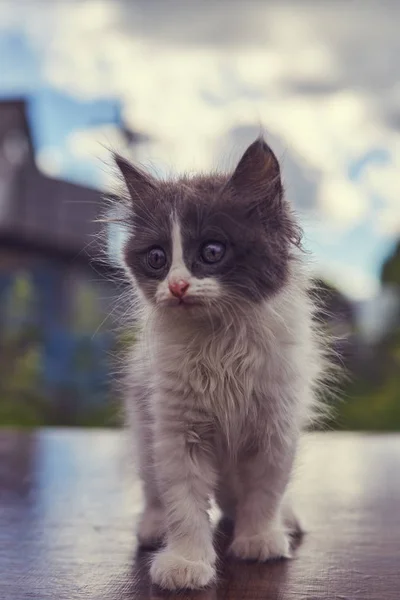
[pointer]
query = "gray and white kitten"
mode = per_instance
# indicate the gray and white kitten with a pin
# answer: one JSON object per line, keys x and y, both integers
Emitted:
{"x": 224, "y": 374}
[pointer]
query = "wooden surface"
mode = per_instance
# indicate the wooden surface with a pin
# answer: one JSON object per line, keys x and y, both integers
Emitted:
{"x": 68, "y": 503}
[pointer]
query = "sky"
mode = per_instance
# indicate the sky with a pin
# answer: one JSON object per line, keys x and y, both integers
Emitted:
{"x": 201, "y": 79}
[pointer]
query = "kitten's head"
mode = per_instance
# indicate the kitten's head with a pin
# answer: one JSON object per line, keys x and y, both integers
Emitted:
{"x": 207, "y": 243}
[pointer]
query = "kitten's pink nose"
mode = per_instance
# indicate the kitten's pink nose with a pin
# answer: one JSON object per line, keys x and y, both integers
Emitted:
{"x": 178, "y": 287}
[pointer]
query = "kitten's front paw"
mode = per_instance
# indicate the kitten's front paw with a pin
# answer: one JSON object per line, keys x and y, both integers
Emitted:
{"x": 262, "y": 546}
{"x": 151, "y": 528}
{"x": 174, "y": 572}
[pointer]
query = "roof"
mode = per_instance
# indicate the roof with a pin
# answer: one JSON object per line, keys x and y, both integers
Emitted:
{"x": 37, "y": 210}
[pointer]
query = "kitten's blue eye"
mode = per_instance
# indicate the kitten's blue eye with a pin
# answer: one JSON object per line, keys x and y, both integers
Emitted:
{"x": 212, "y": 252}
{"x": 156, "y": 258}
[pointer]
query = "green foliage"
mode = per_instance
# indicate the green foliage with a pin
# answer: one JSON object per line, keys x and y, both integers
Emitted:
{"x": 24, "y": 401}
{"x": 21, "y": 399}
{"x": 87, "y": 316}
{"x": 372, "y": 401}
{"x": 391, "y": 268}
{"x": 25, "y": 398}
{"x": 371, "y": 408}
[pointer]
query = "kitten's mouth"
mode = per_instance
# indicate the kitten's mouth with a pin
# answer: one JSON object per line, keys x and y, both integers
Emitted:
{"x": 184, "y": 303}
{"x": 189, "y": 302}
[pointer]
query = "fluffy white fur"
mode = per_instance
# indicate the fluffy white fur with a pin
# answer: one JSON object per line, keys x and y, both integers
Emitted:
{"x": 216, "y": 404}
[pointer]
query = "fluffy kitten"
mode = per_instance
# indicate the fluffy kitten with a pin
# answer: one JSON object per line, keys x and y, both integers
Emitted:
{"x": 224, "y": 373}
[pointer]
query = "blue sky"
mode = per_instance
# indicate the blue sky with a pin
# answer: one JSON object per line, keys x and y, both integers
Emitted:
{"x": 322, "y": 82}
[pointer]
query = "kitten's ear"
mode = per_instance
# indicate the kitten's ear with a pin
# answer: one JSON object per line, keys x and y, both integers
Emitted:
{"x": 258, "y": 173}
{"x": 137, "y": 181}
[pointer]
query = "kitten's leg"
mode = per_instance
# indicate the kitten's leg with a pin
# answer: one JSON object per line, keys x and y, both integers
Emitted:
{"x": 187, "y": 479}
{"x": 226, "y": 493}
{"x": 260, "y": 530}
{"x": 151, "y": 525}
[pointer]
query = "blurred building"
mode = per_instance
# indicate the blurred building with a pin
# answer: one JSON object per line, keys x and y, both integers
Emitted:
{"x": 49, "y": 259}
{"x": 39, "y": 212}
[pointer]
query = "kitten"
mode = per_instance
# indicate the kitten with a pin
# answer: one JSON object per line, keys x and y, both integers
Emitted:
{"x": 225, "y": 371}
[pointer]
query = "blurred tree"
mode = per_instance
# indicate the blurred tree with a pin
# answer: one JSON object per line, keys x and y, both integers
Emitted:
{"x": 56, "y": 376}
{"x": 21, "y": 400}
{"x": 373, "y": 403}
{"x": 336, "y": 314}
{"x": 391, "y": 268}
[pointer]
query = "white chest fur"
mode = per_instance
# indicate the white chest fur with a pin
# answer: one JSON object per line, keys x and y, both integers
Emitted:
{"x": 234, "y": 377}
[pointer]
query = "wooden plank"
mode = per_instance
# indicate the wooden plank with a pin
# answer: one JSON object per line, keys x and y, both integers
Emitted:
{"x": 69, "y": 500}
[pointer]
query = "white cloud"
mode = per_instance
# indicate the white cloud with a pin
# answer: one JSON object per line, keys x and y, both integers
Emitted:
{"x": 96, "y": 142}
{"x": 351, "y": 280}
{"x": 383, "y": 180}
{"x": 389, "y": 222}
{"x": 163, "y": 90}
{"x": 50, "y": 161}
{"x": 342, "y": 202}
